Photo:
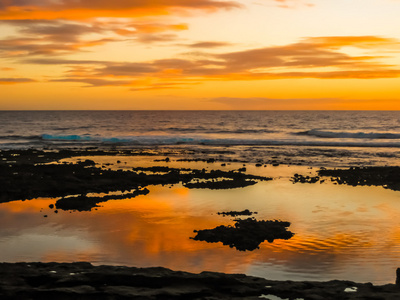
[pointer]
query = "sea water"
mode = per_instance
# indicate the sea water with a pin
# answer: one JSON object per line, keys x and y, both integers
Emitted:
{"x": 335, "y": 137}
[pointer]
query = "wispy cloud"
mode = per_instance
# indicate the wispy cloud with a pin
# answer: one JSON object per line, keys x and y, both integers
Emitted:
{"x": 363, "y": 42}
{"x": 59, "y": 37}
{"x": 209, "y": 44}
{"x": 15, "y": 80}
{"x": 84, "y": 9}
{"x": 320, "y": 58}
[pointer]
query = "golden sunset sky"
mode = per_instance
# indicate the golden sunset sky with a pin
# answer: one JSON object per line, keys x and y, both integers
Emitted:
{"x": 199, "y": 54}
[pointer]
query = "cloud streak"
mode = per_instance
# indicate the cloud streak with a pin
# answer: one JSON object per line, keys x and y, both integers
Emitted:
{"x": 59, "y": 37}
{"x": 16, "y": 80}
{"x": 209, "y": 45}
{"x": 319, "y": 58}
{"x": 84, "y": 9}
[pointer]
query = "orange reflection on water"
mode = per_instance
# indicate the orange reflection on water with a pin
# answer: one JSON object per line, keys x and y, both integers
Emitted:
{"x": 27, "y": 205}
{"x": 155, "y": 230}
{"x": 151, "y": 230}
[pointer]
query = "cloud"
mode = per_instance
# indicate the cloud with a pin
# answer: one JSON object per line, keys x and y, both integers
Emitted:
{"x": 309, "y": 53}
{"x": 363, "y": 42}
{"x": 15, "y": 80}
{"x": 209, "y": 45}
{"x": 127, "y": 69}
{"x": 84, "y": 9}
{"x": 156, "y": 38}
{"x": 61, "y": 61}
{"x": 96, "y": 82}
{"x": 157, "y": 27}
{"x": 54, "y": 30}
{"x": 320, "y": 58}
{"x": 58, "y": 37}
{"x": 23, "y": 47}
{"x": 7, "y": 69}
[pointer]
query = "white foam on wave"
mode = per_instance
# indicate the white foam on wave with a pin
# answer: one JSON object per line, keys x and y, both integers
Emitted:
{"x": 204, "y": 140}
{"x": 72, "y": 137}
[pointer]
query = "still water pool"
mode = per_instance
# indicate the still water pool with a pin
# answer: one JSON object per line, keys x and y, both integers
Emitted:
{"x": 341, "y": 232}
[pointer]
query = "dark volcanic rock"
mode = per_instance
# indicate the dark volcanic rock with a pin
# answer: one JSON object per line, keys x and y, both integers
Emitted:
{"x": 27, "y": 281}
{"x": 245, "y": 212}
{"x": 246, "y": 234}
{"x": 304, "y": 179}
{"x": 83, "y": 281}
{"x": 221, "y": 184}
{"x": 388, "y": 177}
{"x": 31, "y": 181}
{"x": 84, "y": 203}
{"x": 28, "y": 181}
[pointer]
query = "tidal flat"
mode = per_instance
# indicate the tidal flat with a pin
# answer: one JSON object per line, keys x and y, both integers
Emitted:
{"x": 141, "y": 209}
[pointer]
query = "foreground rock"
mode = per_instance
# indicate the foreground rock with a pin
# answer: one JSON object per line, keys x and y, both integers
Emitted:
{"x": 83, "y": 281}
{"x": 246, "y": 234}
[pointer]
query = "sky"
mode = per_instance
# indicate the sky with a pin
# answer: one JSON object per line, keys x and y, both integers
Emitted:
{"x": 199, "y": 54}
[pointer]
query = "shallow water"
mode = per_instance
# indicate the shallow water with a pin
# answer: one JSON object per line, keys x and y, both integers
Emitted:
{"x": 341, "y": 232}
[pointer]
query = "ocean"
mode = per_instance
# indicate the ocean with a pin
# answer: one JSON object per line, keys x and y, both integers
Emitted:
{"x": 299, "y": 137}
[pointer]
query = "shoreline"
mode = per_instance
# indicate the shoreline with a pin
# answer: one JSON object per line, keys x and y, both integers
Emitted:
{"x": 82, "y": 280}
{"x": 313, "y": 156}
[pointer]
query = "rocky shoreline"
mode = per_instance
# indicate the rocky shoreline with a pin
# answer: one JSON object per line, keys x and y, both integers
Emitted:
{"x": 40, "y": 174}
{"x": 31, "y": 169}
{"x": 82, "y": 280}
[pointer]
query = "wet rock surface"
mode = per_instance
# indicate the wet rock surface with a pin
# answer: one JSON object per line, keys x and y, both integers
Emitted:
{"x": 246, "y": 234}
{"x": 220, "y": 184}
{"x": 233, "y": 213}
{"x": 26, "y": 177}
{"x": 82, "y": 280}
{"x": 85, "y": 203}
{"x": 298, "y": 178}
{"x": 388, "y": 177}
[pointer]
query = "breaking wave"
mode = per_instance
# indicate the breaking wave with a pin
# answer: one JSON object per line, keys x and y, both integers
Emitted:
{"x": 313, "y": 138}
{"x": 207, "y": 140}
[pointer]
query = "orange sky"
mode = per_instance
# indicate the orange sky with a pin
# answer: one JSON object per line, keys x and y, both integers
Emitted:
{"x": 203, "y": 54}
